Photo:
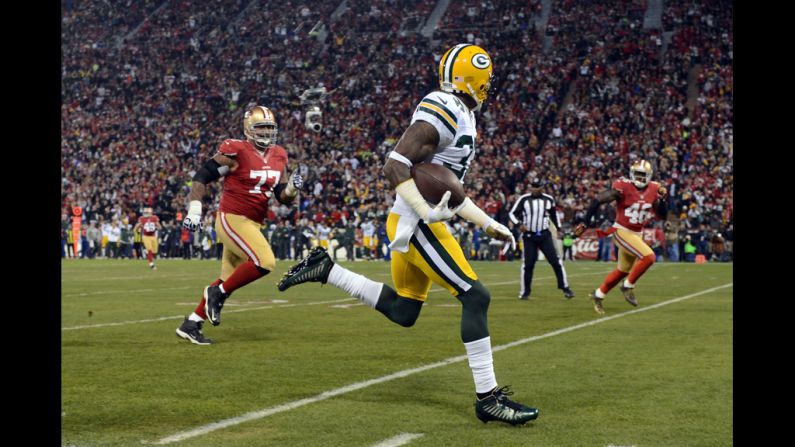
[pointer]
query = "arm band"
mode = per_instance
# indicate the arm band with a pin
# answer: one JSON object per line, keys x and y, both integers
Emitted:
{"x": 278, "y": 192}
{"x": 394, "y": 155}
{"x": 195, "y": 207}
{"x": 212, "y": 170}
{"x": 472, "y": 213}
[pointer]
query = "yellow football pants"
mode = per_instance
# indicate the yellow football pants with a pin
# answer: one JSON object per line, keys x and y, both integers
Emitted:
{"x": 434, "y": 256}
{"x": 242, "y": 240}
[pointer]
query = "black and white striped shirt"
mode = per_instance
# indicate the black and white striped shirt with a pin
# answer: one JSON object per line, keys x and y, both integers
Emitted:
{"x": 534, "y": 212}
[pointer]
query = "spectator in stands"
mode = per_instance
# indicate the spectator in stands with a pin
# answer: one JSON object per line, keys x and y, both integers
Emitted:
{"x": 94, "y": 237}
{"x": 690, "y": 249}
{"x": 672, "y": 238}
{"x": 628, "y": 96}
{"x": 113, "y": 239}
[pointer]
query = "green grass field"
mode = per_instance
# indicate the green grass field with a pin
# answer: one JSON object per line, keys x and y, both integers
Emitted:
{"x": 646, "y": 376}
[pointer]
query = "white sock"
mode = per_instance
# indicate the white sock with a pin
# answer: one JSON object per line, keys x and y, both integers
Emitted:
{"x": 480, "y": 360}
{"x": 599, "y": 293}
{"x": 221, "y": 287}
{"x": 357, "y": 285}
{"x": 628, "y": 284}
{"x": 195, "y": 317}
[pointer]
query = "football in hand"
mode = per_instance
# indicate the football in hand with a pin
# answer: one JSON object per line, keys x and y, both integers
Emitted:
{"x": 434, "y": 180}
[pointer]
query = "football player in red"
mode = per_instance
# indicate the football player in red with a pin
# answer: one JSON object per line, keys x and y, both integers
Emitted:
{"x": 149, "y": 224}
{"x": 637, "y": 201}
{"x": 254, "y": 170}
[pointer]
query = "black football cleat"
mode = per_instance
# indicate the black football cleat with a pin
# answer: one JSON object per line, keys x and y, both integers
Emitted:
{"x": 497, "y": 407}
{"x": 314, "y": 268}
{"x": 568, "y": 293}
{"x": 214, "y": 302}
{"x": 629, "y": 295}
{"x": 192, "y": 331}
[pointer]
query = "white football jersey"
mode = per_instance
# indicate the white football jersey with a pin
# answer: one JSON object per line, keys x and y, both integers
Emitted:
{"x": 456, "y": 126}
{"x": 323, "y": 232}
{"x": 368, "y": 229}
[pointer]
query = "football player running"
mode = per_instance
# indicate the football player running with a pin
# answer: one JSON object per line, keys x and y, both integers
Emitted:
{"x": 253, "y": 171}
{"x": 638, "y": 199}
{"x": 442, "y": 131}
{"x": 149, "y": 224}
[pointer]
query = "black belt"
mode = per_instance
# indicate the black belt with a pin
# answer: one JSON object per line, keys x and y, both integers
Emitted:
{"x": 537, "y": 233}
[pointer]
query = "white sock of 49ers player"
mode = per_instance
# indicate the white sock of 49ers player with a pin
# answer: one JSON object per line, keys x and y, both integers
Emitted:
{"x": 365, "y": 290}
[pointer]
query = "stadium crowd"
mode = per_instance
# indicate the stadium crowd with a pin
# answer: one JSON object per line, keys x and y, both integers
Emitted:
{"x": 146, "y": 98}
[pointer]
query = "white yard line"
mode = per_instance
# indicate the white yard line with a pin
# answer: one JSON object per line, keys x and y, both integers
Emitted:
{"x": 179, "y": 317}
{"x": 401, "y": 439}
{"x": 130, "y": 291}
{"x": 259, "y": 414}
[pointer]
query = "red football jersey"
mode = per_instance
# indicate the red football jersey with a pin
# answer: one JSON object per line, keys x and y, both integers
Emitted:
{"x": 149, "y": 224}
{"x": 248, "y": 189}
{"x": 634, "y": 208}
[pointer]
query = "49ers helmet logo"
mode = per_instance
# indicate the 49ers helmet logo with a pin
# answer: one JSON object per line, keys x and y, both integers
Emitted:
{"x": 481, "y": 61}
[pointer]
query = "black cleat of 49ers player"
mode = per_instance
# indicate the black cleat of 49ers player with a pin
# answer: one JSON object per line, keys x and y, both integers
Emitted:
{"x": 214, "y": 302}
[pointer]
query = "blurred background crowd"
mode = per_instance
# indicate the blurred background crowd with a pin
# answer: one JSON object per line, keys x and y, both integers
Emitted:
{"x": 583, "y": 88}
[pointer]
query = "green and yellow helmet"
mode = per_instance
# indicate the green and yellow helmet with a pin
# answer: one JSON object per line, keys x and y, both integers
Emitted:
{"x": 466, "y": 69}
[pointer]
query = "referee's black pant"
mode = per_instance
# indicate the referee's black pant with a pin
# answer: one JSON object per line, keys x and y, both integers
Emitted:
{"x": 531, "y": 243}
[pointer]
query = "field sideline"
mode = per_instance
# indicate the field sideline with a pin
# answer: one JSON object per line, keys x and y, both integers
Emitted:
{"x": 312, "y": 366}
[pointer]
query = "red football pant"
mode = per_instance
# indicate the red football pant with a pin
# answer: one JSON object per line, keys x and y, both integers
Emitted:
{"x": 199, "y": 310}
{"x": 611, "y": 280}
{"x": 640, "y": 268}
{"x": 243, "y": 274}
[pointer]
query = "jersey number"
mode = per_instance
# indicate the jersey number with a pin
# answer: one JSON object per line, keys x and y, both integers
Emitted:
{"x": 263, "y": 177}
{"x": 638, "y": 214}
{"x": 464, "y": 142}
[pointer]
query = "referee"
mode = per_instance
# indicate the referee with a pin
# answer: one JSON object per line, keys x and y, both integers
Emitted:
{"x": 533, "y": 212}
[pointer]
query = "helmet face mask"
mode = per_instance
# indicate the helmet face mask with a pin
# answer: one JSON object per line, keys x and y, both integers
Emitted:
{"x": 466, "y": 69}
{"x": 259, "y": 126}
{"x": 640, "y": 173}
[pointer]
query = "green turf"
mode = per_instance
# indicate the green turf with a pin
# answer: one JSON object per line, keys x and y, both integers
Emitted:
{"x": 661, "y": 377}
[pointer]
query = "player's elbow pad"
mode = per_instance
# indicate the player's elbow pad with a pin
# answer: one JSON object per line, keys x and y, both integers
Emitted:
{"x": 409, "y": 192}
{"x": 662, "y": 208}
{"x": 472, "y": 213}
{"x": 591, "y": 211}
{"x": 277, "y": 191}
{"x": 211, "y": 171}
{"x": 593, "y": 206}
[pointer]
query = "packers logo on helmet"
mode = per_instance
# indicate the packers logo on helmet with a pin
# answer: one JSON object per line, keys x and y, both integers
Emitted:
{"x": 640, "y": 173}
{"x": 259, "y": 126}
{"x": 466, "y": 69}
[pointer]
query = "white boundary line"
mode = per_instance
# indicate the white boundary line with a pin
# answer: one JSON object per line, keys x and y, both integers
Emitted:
{"x": 254, "y": 415}
{"x": 114, "y": 291}
{"x": 178, "y": 317}
{"x": 107, "y": 292}
{"x": 401, "y": 439}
